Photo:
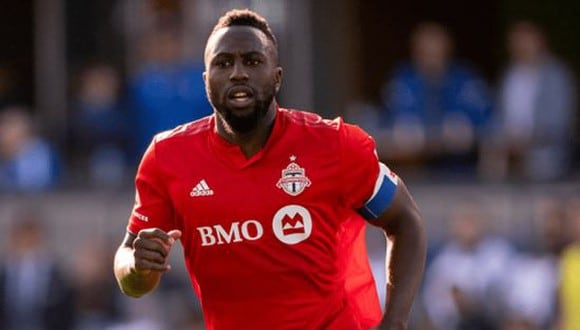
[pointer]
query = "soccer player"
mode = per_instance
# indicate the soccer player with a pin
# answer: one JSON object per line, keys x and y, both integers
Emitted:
{"x": 269, "y": 204}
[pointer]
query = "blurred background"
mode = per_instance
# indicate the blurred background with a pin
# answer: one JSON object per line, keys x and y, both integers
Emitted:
{"x": 474, "y": 104}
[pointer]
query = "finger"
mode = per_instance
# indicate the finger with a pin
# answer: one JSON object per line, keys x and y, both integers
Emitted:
{"x": 145, "y": 265}
{"x": 174, "y": 234}
{"x": 152, "y": 256}
{"x": 152, "y": 245}
{"x": 154, "y": 233}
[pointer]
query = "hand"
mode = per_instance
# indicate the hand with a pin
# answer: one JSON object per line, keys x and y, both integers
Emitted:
{"x": 151, "y": 250}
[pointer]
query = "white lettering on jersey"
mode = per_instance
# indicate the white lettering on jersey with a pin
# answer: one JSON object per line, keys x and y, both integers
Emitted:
{"x": 291, "y": 224}
{"x": 206, "y": 234}
{"x": 257, "y": 228}
{"x": 201, "y": 189}
{"x": 223, "y": 236}
{"x": 251, "y": 230}
{"x": 140, "y": 216}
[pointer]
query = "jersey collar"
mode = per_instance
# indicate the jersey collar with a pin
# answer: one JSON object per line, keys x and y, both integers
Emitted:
{"x": 232, "y": 155}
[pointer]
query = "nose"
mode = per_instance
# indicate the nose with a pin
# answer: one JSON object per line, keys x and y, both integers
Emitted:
{"x": 238, "y": 72}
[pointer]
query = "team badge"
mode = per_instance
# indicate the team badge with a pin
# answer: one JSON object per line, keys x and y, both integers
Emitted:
{"x": 294, "y": 179}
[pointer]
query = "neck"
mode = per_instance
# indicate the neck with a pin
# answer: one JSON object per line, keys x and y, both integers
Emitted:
{"x": 253, "y": 141}
{"x": 433, "y": 72}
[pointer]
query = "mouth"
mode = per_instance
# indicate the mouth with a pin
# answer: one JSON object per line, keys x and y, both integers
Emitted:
{"x": 240, "y": 96}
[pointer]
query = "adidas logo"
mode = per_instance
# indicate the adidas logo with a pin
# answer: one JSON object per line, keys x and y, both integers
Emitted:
{"x": 201, "y": 189}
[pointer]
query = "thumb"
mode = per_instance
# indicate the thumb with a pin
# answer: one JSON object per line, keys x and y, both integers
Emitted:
{"x": 174, "y": 234}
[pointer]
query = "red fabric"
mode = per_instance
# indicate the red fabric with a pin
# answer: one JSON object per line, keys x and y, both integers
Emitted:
{"x": 245, "y": 238}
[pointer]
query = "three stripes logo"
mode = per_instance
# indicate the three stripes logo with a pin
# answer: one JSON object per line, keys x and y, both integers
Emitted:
{"x": 201, "y": 189}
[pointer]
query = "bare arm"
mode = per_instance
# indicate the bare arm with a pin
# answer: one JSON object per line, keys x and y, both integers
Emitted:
{"x": 403, "y": 225}
{"x": 141, "y": 260}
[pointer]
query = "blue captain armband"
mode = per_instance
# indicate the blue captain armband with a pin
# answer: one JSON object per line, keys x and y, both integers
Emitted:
{"x": 383, "y": 194}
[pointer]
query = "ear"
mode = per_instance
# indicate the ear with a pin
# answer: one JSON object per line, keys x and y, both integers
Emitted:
{"x": 278, "y": 78}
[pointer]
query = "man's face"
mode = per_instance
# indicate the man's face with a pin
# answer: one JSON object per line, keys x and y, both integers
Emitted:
{"x": 242, "y": 76}
{"x": 431, "y": 51}
{"x": 525, "y": 44}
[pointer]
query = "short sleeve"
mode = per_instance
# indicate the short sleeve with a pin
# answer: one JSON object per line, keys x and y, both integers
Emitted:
{"x": 153, "y": 207}
{"x": 369, "y": 185}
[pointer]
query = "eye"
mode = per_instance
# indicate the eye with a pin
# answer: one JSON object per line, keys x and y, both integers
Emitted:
{"x": 253, "y": 62}
{"x": 223, "y": 63}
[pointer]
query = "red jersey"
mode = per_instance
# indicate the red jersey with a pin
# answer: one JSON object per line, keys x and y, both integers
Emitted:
{"x": 274, "y": 241}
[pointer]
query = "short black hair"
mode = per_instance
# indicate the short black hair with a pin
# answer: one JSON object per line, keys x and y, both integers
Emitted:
{"x": 245, "y": 17}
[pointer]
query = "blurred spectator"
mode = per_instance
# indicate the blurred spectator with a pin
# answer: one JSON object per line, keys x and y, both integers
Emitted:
{"x": 96, "y": 290}
{"x": 462, "y": 282}
{"x": 99, "y": 127}
{"x": 537, "y": 107}
{"x": 168, "y": 90}
{"x": 28, "y": 163}
{"x": 518, "y": 324}
{"x": 367, "y": 116}
{"x": 34, "y": 295}
{"x": 569, "y": 272}
{"x": 531, "y": 281}
{"x": 172, "y": 306}
{"x": 436, "y": 107}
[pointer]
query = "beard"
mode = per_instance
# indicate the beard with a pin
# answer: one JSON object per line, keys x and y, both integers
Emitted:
{"x": 246, "y": 122}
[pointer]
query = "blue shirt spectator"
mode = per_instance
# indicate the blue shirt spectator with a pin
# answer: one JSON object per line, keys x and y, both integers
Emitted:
{"x": 165, "y": 96}
{"x": 28, "y": 163}
{"x": 436, "y": 108}
{"x": 100, "y": 137}
{"x": 167, "y": 91}
{"x": 459, "y": 91}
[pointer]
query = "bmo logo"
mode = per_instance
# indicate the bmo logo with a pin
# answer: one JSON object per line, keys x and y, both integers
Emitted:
{"x": 292, "y": 224}
{"x": 250, "y": 230}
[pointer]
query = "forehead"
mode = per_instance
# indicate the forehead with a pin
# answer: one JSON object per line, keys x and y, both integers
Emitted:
{"x": 237, "y": 39}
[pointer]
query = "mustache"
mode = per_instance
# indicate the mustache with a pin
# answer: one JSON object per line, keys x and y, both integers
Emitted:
{"x": 249, "y": 121}
{"x": 241, "y": 87}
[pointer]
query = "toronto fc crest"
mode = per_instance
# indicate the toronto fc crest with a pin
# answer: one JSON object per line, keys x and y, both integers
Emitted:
{"x": 294, "y": 179}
